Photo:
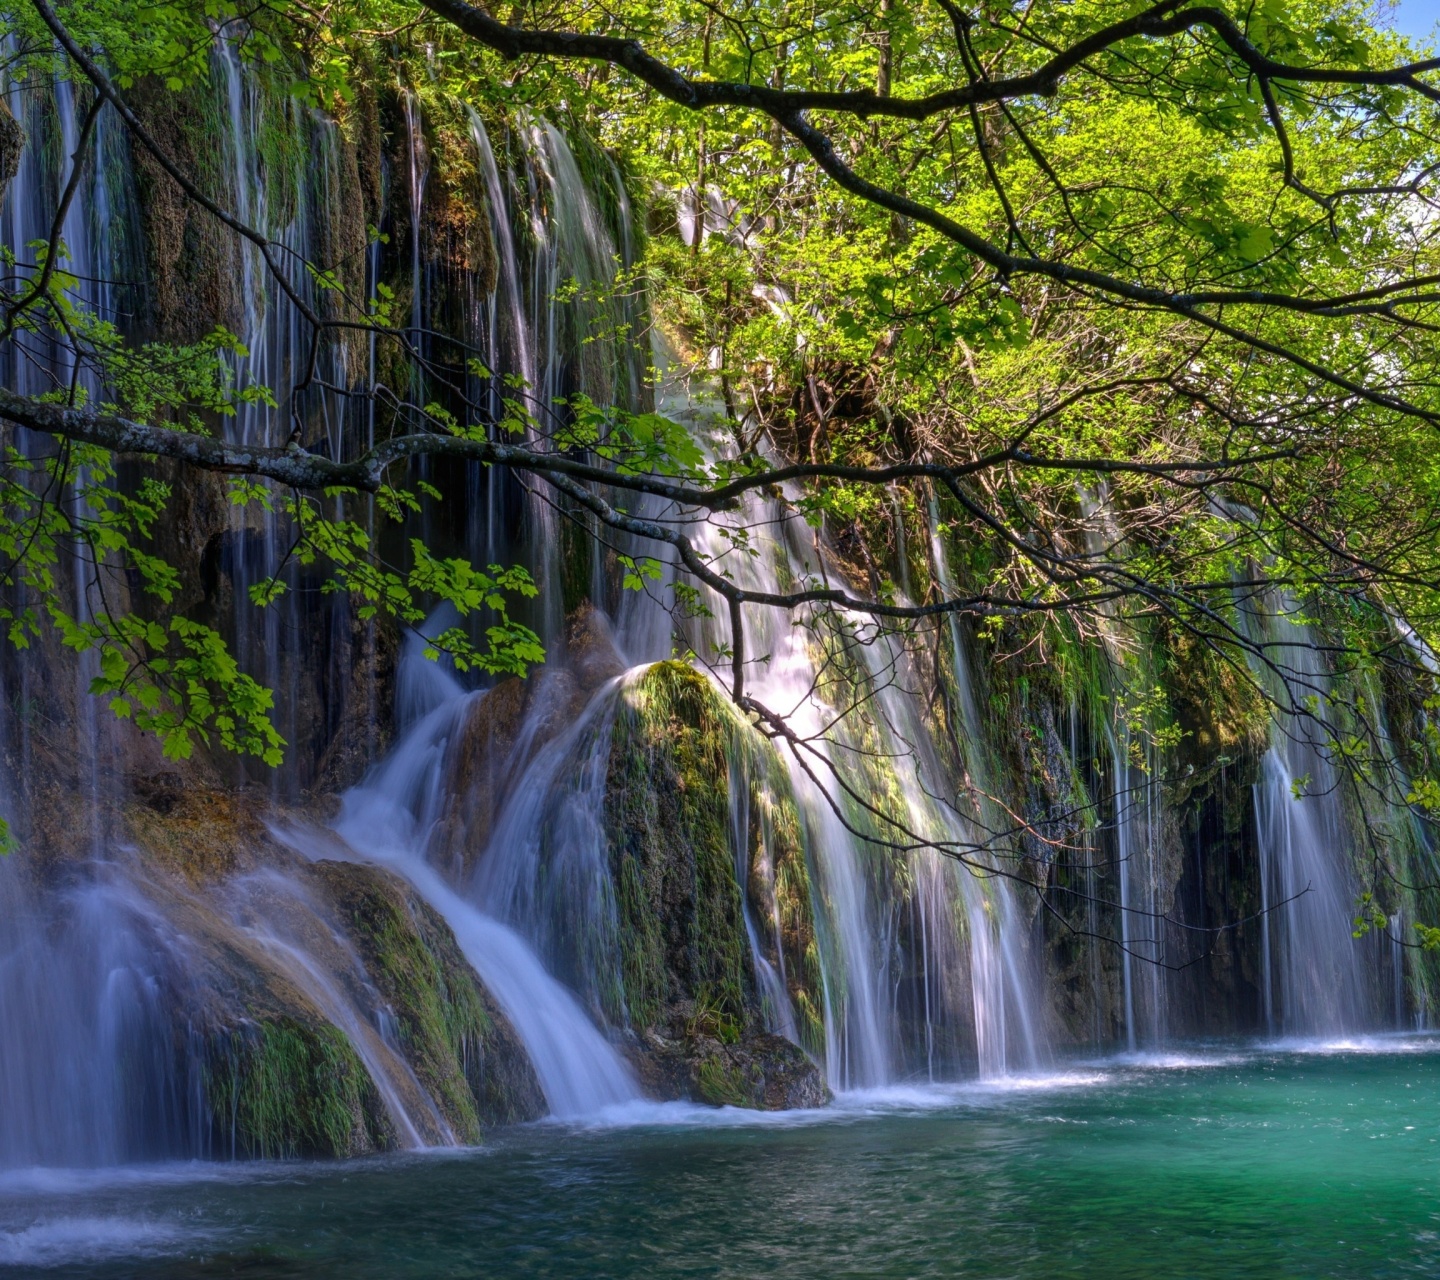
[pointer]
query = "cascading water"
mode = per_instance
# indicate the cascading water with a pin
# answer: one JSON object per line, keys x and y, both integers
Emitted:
{"x": 389, "y": 819}
{"x": 876, "y": 985}
{"x": 274, "y": 336}
{"x": 1312, "y": 978}
{"x": 86, "y": 1067}
{"x": 546, "y": 869}
{"x": 1312, "y": 983}
{"x": 1135, "y": 811}
{"x": 1137, "y": 837}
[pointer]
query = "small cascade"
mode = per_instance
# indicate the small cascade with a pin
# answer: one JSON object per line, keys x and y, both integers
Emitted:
{"x": 389, "y": 819}
{"x": 85, "y": 232}
{"x": 1141, "y": 919}
{"x": 1000, "y": 970}
{"x": 1135, "y": 809}
{"x": 282, "y": 920}
{"x": 545, "y": 871}
{"x": 52, "y": 110}
{"x": 904, "y": 987}
{"x": 275, "y": 339}
{"x": 86, "y": 1067}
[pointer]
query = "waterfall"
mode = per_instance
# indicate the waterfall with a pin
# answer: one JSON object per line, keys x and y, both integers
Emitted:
{"x": 87, "y": 1071}
{"x": 1312, "y": 980}
{"x": 1141, "y": 918}
{"x": 928, "y": 969}
{"x": 274, "y": 338}
{"x": 903, "y": 983}
{"x": 545, "y": 870}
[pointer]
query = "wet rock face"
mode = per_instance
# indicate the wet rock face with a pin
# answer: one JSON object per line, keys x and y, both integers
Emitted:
{"x": 691, "y": 991}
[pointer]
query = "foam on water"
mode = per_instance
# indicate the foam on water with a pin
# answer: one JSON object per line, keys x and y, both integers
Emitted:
{"x": 1395, "y": 1042}
{"x": 939, "y": 1097}
{"x": 1176, "y": 1061}
{"x": 643, "y": 1113}
{"x": 60, "y": 1242}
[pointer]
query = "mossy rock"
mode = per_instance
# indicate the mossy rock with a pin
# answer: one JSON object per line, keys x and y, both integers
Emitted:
{"x": 456, "y": 1040}
{"x": 285, "y": 1087}
{"x": 12, "y": 144}
{"x": 198, "y": 834}
{"x": 677, "y": 750}
{"x": 758, "y": 1071}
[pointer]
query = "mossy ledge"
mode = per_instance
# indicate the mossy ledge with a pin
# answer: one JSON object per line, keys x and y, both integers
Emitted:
{"x": 283, "y": 1088}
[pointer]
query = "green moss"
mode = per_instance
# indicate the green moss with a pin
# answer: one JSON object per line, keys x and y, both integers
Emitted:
{"x": 680, "y": 917}
{"x": 677, "y": 750}
{"x": 441, "y": 1020}
{"x": 721, "y": 1084}
{"x": 281, "y": 1088}
{"x": 445, "y": 1029}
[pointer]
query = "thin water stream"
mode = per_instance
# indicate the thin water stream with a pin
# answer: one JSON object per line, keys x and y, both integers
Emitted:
{"x": 1221, "y": 1161}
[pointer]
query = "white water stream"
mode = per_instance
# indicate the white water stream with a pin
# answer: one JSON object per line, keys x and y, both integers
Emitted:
{"x": 1312, "y": 981}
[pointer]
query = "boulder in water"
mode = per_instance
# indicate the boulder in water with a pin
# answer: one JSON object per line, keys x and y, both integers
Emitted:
{"x": 699, "y": 1063}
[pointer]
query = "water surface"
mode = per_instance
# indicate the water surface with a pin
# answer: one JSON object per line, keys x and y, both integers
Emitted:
{"x": 1271, "y": 1162}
